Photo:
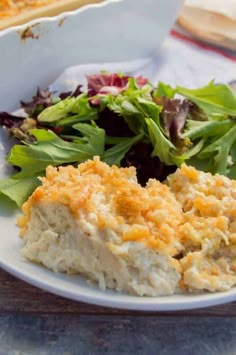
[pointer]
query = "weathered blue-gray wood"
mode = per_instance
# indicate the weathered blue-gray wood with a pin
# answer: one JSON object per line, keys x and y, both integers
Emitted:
{"x": 68, "y": 334}
{"x": 18, "y": 296}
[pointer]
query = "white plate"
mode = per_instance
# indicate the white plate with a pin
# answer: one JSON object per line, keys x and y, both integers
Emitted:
{"x": 75, "y": 287}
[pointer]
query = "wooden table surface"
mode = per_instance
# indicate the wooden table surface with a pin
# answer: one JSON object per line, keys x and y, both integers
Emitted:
{"x": 20, "y": 297}
{"x": 35, "y": 322}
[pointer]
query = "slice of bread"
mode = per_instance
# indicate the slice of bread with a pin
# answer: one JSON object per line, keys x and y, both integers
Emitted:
{"x": 209, "y": 26}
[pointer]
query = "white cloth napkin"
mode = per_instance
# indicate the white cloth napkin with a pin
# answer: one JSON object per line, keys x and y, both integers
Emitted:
{"x": 177, "y": 62}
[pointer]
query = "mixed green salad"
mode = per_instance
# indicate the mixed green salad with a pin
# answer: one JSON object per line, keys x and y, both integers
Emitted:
{"x": 126, "y": 121}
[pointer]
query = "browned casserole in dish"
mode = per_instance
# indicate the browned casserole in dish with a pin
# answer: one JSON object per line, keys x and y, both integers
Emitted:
{"x": 17, "y": 12}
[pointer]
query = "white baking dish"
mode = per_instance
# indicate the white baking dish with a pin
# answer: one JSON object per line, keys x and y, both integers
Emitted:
{"x": 115, "y": 30}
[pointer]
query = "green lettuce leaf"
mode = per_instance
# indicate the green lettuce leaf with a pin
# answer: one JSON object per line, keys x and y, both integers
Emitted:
{"x": 52, "y": 150}
{"x": 18, "y": 190}
{"x": 56, "y": 112}
{"x": 212, "y": 99}
{"x": 219, "y": 152}
{"x": 162, "y": 145}
{"x": 73, "y": 119}
{"x": 164, "y": 90}
{"x": 134, "y": 105}
{"x": 70, "y": 106}
{"x": 93, "y": 136}
{"x": 200, "y": 129}
{"x": 115, "y": 154}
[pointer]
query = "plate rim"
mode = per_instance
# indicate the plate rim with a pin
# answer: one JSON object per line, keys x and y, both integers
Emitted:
{"x": 143, "y": 303}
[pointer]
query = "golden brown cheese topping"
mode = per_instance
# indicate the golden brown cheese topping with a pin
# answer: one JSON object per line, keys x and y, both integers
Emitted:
{"x": 209, "y": 206}
{"x": 192, "y": 221}
{"x": 150, "y": 215}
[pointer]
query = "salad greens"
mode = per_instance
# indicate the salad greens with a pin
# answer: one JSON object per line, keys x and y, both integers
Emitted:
{"x": 49, "y": 149}
{"x": 126, "y": 121}
{"x": 212, "y": 99}
{"x": 18, "y": 190}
